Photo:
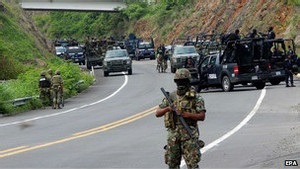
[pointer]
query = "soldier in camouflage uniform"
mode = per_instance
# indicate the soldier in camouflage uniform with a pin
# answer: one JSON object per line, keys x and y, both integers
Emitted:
{"x": 57, "y": 90}
{"x": 44, "y": 87}
{"x": 191, "y": 107}
{"x": 49, "y": 76}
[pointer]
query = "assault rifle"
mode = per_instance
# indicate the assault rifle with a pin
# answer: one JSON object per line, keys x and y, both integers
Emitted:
{"x": 200, "y": 143}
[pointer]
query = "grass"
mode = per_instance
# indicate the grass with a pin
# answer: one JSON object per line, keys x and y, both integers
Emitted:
{"x": 21, "y": 61}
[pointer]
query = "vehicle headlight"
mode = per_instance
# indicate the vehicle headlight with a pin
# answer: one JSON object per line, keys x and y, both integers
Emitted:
{"x": 80, "y": 53}
{"x": 128, "y": 61}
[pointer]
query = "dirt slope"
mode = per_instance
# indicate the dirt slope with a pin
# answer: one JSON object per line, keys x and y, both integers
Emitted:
{"x": 225, "y": 16}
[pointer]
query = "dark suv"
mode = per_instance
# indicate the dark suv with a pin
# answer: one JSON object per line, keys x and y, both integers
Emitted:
{"x": 75, "y": 53}
{"x": 238, "y": 64}
{"x": 144, "y": 50}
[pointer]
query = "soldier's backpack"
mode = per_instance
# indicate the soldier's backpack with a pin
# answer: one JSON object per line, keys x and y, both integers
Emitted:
{"x": 56, "y": 81}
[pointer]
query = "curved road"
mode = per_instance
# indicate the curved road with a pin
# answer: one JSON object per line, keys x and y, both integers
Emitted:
{"x": 112, "y": 125}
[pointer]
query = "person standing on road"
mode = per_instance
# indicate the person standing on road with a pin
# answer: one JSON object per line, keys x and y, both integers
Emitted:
{"x": 190, "y": 106}
{"x": 161, "y": 50}
{"x": 288, "y": 66}
{"x": 57, "y": 90}
{"x": 44, "y": 87}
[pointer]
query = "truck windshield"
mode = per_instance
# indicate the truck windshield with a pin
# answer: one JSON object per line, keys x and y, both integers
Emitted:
{"x": 145, "y": 45}
{"x": 116, "y": 53}
{"x": 185, "y": 50}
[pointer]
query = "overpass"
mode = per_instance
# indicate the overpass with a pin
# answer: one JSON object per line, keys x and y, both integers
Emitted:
{"x": 73, "y": 5}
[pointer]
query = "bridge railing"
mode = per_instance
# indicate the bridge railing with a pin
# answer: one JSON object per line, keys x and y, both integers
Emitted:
{"x": 73, "y": 5}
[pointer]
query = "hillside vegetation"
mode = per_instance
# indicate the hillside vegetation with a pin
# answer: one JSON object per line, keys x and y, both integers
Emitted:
{"x": 23, "y": 55}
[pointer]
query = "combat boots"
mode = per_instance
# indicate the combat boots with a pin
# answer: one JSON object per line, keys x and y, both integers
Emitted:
{"x": 58, "y": 106}
{"x": 54, "y": 106}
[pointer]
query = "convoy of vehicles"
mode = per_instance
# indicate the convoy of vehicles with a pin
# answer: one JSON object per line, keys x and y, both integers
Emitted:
{"x": 244, "y": 61}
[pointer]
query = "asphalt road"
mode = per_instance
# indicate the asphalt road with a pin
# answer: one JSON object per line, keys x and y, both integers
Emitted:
{"x": 112, "y": 125}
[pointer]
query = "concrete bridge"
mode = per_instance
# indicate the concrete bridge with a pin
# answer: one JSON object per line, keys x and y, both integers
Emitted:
{"x": 73, "y": 5}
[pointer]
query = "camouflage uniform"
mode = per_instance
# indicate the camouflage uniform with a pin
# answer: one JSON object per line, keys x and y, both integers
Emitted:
{"x": 179, "y": 142}
{"x": 44, "y": 86}
{"x": 57, "y": 89}
{"x": 49, "y": 76}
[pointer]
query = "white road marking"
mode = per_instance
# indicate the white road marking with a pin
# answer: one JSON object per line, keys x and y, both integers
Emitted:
{"x": 70, "y": 110}
{"x": 234, "y": 130}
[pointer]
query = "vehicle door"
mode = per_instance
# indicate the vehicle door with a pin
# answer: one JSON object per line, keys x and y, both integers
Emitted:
{"x": 202, "y": 69}
{"x": 212, "y": 70}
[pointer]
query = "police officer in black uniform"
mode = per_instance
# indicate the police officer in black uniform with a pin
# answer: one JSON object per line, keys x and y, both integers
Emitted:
{"x": 44, "y": 87}
{"x": 288, "y": 66}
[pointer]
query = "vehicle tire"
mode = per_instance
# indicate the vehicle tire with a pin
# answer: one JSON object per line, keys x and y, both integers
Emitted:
{"x": 83, "y": 62}
{"x": 274, "y": 82}
{"x": 197, "y": 88}
{"x": 173, "y": 70}
{"x": 130, "y": 72}
{"x": 259, "y": 85}
{"x": 106, "y": 73}
{"x": 88, "y": 65}
{"x": 226, "y": 84}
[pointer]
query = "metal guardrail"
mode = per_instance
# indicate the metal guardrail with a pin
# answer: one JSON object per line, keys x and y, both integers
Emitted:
{"x": 21, "y": 101}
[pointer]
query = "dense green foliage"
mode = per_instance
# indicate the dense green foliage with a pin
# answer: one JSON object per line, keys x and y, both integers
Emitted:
{"x": 294, "y": 2}
{"x": 79, "y": 25}
{"x": 21, "y": 61}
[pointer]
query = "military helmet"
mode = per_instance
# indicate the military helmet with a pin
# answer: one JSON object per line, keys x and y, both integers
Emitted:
{"x": 50, "y": 71}
{"x": 182, "y": 74}
{"x": 43, "y": 73}
{"x": 57, "y": 72}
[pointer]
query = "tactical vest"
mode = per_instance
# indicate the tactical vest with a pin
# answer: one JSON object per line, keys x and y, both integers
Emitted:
{"x": 185, "y": 103}
{"x": 44, "y": 82}
{"x": 56, "y": 81}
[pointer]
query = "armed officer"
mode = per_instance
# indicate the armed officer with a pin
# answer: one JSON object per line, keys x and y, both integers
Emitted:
{"x": 190, "y": 106}
{"x": 161, "y": 50}
{"x": 44, "y": 87}
{"x": 57, "y": 90}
